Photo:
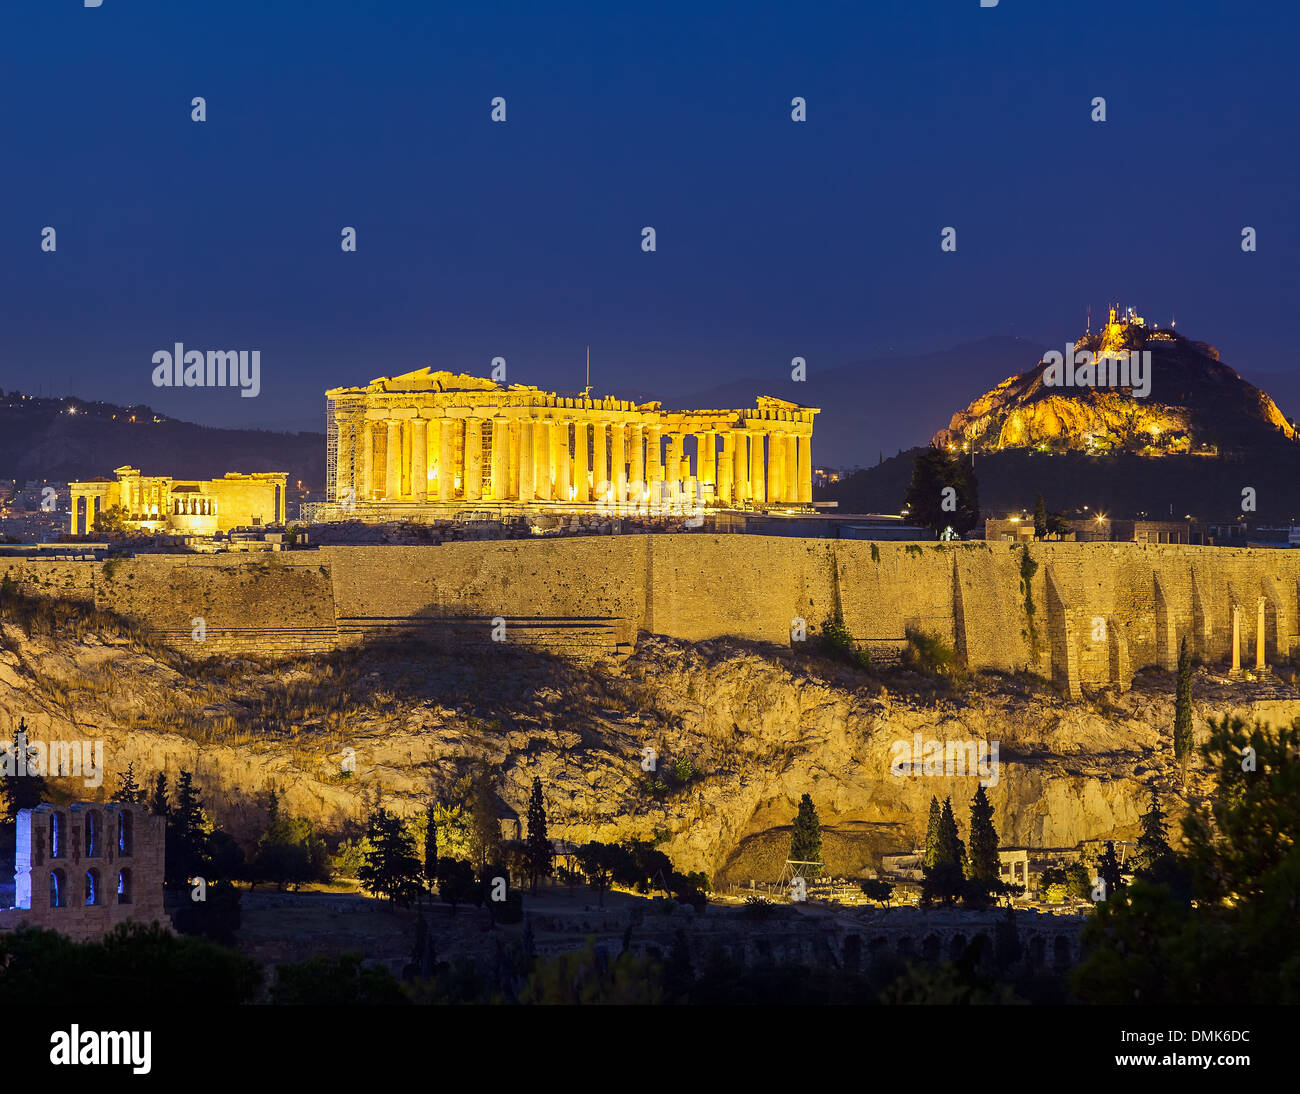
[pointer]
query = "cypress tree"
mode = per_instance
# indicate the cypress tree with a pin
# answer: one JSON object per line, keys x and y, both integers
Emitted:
{"x": 806, "y": 839}
{"x": 540, "y": 853}
{"x": 951, "y": 850}
{"x": 1183, "y": 705}
{"x": 430, "y": 850}
{"x": 1040, "y": 518}
{"x": 930, "y": 858}
{"x": 1108, "y": 869}
{"x": 983, "y": 839}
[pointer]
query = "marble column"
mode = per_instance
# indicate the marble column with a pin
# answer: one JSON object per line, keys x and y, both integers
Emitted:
{"x": 618, "y": 463}
{"x": 1236, "y": 638}
{"x": 600, "y": 462}
{"x": 420, "y": 460}
{"x": 446, "y": 472}
{"x": 757, "y": 468}
{"x": 636, "y": 475}
{"x": 673, "y": 470}
{"x": 741, "y": 468}
{"x": 805, "y": 468}
{"x": 726, "y": 468}
{"x": 343, "y": 456}
{"x": 500, "y": 458}
{"x": 581, "y": 475}
{"x": 515, "y": 428}
{"x": 542, "y": 480}
{"x": 654, "y": 467}
{"x": 791, "y": 443}
{"x": 775, "y": 467}
{"x": 527, "y": 465}
{"x": 560, "y": 458}
{"x": 473, "y": 459}
{"x": 392, "y": 460}
{"x": 706, "y": 459}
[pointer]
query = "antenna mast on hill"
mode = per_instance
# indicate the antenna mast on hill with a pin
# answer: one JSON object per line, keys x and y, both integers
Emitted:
{"x": 588, "y": 369}
{"x": 1089, "y": 318}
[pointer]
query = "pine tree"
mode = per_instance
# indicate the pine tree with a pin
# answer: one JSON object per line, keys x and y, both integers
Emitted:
{"x": 1040, "y": 518}
{"x": 1154, "y": 858}
{"x": 128, "y": 790}
{"x": 24, "y": 789}
{"x": 1183, "y": 705}
{"x": 806, "y": 839}
{"x": 983, "y": 864}
{"x": 187, "y": 834}
{"x": 389, "y": 867}
{"x": 932, "y": 836}
{"x": 158, "y": 805}
{"x": 540, "y": 853}
{"x": 485, "y": 825}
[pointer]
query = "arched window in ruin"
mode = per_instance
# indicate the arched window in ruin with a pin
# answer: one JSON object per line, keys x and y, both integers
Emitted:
{"x": 58, "y": 889}
{"x": 94, "y": 827}
{"x": 930, "y": 948}
{"x": 92, "y": 887}
{"x": 56, "y": 835}
{"x": 1061, "y": 951}
{"x": 956, "y": 947}
{"x": 125, "y": 831}
{"x": 124, "y": 886}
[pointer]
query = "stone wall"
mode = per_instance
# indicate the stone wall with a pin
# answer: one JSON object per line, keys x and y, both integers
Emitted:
{"x": 118, "y": 847}
{"x": 1082, "y": 614}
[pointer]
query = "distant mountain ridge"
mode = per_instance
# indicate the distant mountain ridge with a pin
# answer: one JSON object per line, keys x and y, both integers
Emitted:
{"x": 68, "y": 439}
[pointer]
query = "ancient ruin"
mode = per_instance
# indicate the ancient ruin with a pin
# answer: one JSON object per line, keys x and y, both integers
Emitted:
{"x": 427, "y": 443}
{"x": 158, "y": 503}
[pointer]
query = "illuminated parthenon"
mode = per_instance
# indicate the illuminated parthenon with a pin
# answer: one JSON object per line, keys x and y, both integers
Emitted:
{"x": 435, "y": 440}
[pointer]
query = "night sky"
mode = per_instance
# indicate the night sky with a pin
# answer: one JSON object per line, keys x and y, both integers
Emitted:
{"x": 523, "y": 239}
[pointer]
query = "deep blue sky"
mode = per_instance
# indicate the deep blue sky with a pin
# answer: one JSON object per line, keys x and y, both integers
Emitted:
{"x": 523, "y": 240}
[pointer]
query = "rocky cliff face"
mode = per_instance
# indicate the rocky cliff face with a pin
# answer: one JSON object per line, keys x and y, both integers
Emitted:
{"x": 759, "y": 727}
{"x": 1195, "y": 404}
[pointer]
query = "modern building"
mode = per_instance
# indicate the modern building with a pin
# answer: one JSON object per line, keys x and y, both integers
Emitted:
{"x": 427, "y": 443}
{"x": 158, "y": 503}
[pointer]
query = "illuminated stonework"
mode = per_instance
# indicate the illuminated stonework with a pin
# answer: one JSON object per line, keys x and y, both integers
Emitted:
{"x": 157, "y": 503}
{"x": 429, "y": 443}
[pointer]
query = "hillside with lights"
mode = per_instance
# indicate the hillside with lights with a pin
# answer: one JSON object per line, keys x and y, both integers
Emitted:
{"x": 1195, "y": 405}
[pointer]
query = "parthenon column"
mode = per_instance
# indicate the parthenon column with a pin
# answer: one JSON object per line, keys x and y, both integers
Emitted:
{"x": 560, "y": 458}
{"x": 726, "y": 468}
{"x": 805, "y": 468}
{"x": 392, "y": 460}
{"x": 542, "y": 480}
{"x": 473, "y": 459}
{"x": 346, "y": 445}
{"x": 581, "y": 478}
{"x": 706, "y": 459}
{"x": 791, "y": 443}
{"x": 527, "y": 465}
{"x": 515, "y": 426}
{"x": 599, "y": 461}
{"x": 741, "y": 467}
{"x": 653, "y": 455}
{"x": 500, "y": 458}
{"x": 636, "y": 476}
{"x": 757, "y": 476}
{"x": 446, "y": 473}
{"x": 618, "y": 462}
{"x": 775, "y": 466}
{"x": 673, "y": 469}
{"x": 420, "y": 460}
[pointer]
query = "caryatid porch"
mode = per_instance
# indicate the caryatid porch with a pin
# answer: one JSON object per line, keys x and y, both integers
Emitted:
{"x": 439, "y": 439}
